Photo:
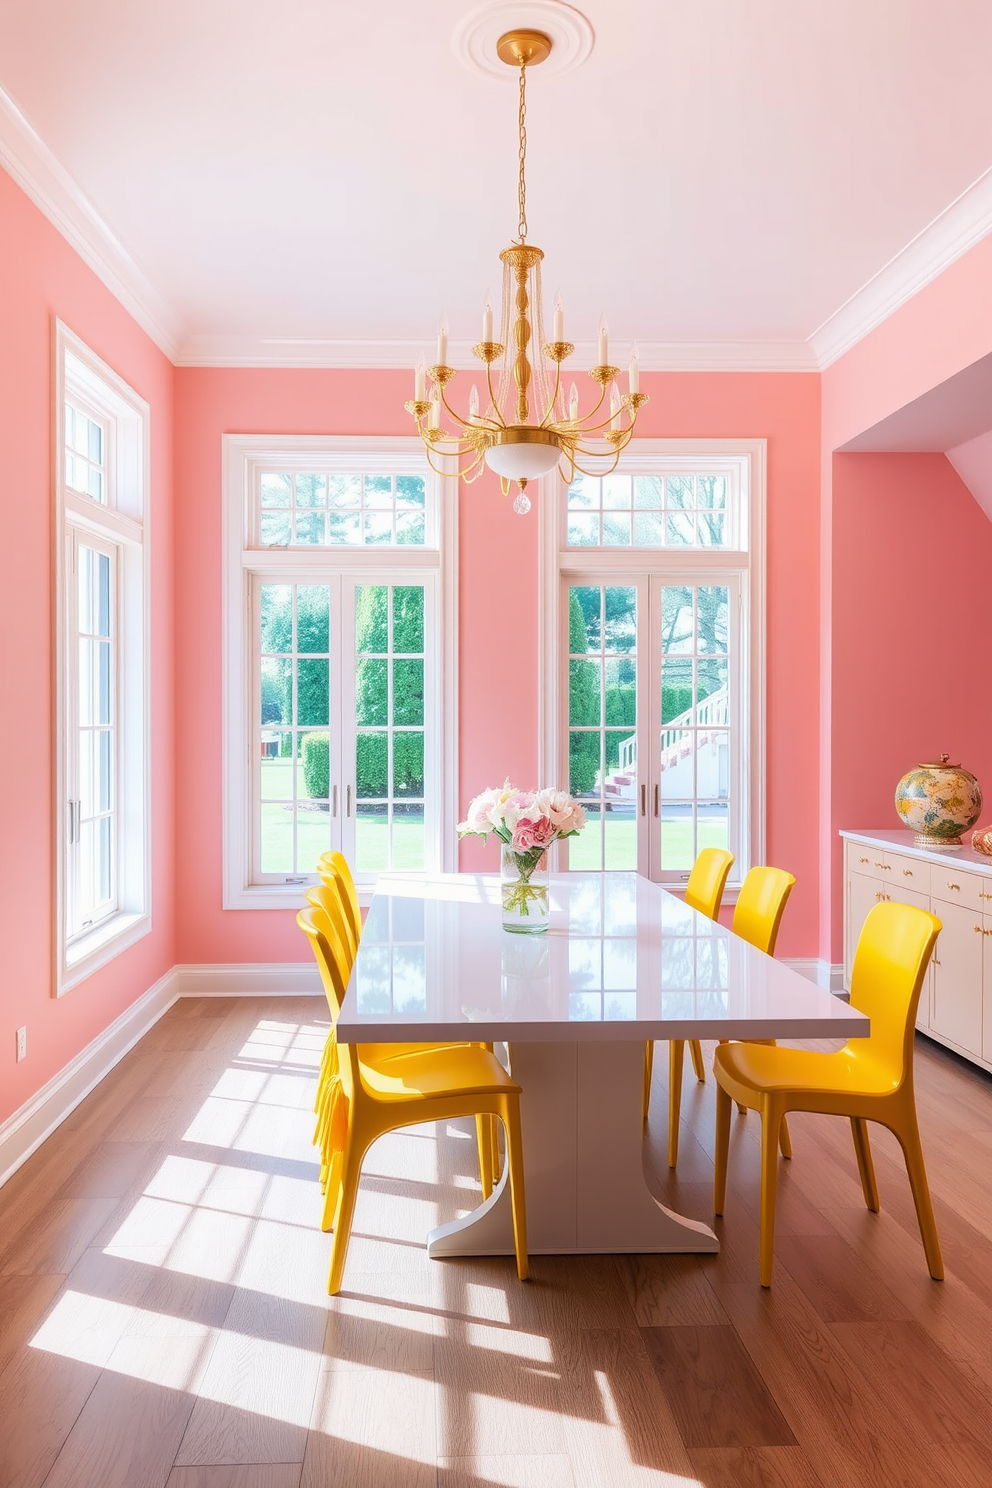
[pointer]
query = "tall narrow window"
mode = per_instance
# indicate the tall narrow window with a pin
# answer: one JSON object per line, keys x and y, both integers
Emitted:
{"x": 340, "y": 688}
{"x": 103, "y": 892}
{"x": 654, "y": 709}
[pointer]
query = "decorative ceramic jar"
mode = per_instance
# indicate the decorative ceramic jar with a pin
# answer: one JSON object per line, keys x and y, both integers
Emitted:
{"x": 981, "y": 841}
{"x": 525, "y": 889}
{"x": 939, "y": 801}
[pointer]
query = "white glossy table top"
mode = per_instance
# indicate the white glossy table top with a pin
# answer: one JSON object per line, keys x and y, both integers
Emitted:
{"x": 623, "y": 959}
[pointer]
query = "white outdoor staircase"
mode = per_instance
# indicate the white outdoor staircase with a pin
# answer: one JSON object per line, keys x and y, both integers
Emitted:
{"x": 704, "y": 723}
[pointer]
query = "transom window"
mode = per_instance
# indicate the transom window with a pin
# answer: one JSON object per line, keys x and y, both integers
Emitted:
{"x": 682, "y": 509}
{"x": 85, "y": 453}
{"x": 309, "y": 508}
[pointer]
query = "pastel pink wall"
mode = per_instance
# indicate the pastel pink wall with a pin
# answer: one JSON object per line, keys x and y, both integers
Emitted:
{"x": 942, "y": 330}
{"x": 498, "y": 567}
{"x": 912, "y": 635}
{"x": 41, "y": 278}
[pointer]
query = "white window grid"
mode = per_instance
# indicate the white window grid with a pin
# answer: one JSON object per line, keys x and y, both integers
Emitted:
{"x": 681, "y": 508}
{"x": 362, "y": 508}
{"x": 85, "y": 451}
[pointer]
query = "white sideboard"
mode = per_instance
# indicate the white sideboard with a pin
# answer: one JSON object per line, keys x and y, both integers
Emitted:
{"x": 955, "y": 884}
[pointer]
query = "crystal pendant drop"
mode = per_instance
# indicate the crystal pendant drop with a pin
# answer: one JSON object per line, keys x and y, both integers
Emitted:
{"x": 521, "y": 504}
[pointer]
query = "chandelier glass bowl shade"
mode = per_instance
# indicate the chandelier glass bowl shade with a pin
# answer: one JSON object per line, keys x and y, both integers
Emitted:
{"x": 524, "y": 424}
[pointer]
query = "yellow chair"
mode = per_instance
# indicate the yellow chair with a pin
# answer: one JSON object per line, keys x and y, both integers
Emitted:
{"x": 870, "y": 1079}
{"x": 703, "y": 892}
{"x": 436, "y": 1084}
{"x": 757, "y": 918}
{"x": 327, "y": 898}
{"x": 333, "y": 868}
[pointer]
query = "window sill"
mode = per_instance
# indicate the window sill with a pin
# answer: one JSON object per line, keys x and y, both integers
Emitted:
{"x": 101, "y": 945}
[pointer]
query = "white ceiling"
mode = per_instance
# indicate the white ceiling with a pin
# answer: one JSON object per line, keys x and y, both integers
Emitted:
{"x": 307, "y": 171}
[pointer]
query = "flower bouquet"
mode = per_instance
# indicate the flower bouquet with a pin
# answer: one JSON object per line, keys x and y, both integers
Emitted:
{"x": 526, "y": 822}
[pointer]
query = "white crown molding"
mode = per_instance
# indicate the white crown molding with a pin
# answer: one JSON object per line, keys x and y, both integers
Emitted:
{"x": 950, "y": 235}
{"x": 29, "y": 161}
{"x": 24, "y": 1131}
{"x": 655, "y": 356}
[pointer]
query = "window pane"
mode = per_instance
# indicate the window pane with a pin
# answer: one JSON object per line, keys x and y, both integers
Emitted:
{"x": 313, "y": 835}
{"x": 616, "y": 530}
{"x": 621, "y": 618}
{"x": 585, "y": 852}
{"x": 620, "y": 836}
{"x": 408, "y": 618}
{"x": 411, "y": 490}
{"x": 309, "y": 528}
{"x": 276, "y": 765}
{"x": 276, "y": 490}
{"x": 408, "y": 838}
{"x": 584, "y": 618}
{"x": 408, "y": 764}
{"x": 676, "y": 690}
{"x": 371, "y": 690}
{"x": 312, "y": 618}
{"x": 371, "y": 623}
{"x": 377, "y": 528}
{"x": 584, "y": 691}
{"x": 313, "y": 771}
{"x": 276, "y": 854}
{"x": 408, "y": 691}
{"x": 584, "y": 748}
{"x": 371, "y": 764}
{"x": 583, "y": 530}
{"x": 277, "y": 618}
{"x": 277, "y": 691}
{"x": 677, "y": 778}
{"x": 714, "y": 617}
{"x": 372, "y": 838}
{"x": 677, "y": 624}
{"x": 311, "y": 692}
{"x": 276, "y": 529}
{"x": 678, "y": 851}
{"x": 649, "y": 530}
{"x": 311, "y": 490}
{"x": 648, "y": 492}
{"x": 616, "y": 492}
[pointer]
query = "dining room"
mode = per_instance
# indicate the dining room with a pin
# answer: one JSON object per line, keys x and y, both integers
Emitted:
{"x": 563, "y": 711}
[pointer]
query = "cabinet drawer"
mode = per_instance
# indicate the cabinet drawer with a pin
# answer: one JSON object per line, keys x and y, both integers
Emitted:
{"x": 863, "y": 860}
{"x": 908, "y": 873}
{"x": 949, "y": 885}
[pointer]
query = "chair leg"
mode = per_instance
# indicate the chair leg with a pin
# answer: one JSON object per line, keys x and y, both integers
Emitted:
{"x": 723, "y": 1108}
{"x": 351, "y": 1172}
{"x": 784, "y": 1139}
{"x": 909, "y": 1141}
{"x": 862, "y": 1151}
{"x": 648, "y": 1071}
{"x": 515, "y": 1163}
{"x": 494, "y": 1142}
{"x": 484, "y": 1141}
{"x": 696, "y": 1050}
{"x": 771, "y": 1120}
{"x": 676, "y": 1059}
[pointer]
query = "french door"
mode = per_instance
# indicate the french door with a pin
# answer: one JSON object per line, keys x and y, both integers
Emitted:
{"x": 345, "y": 731}
{"x": 652, "y": 707}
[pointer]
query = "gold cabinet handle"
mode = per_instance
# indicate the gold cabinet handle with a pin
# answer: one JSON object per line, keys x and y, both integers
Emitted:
{"x": 979, "y": 930}
{"x": 863, "y": 860}
{"x": 879, "y": 865}
{"x": 953, "y": 886}
{"x": 935, "y": 961}
{"x": 907, "y": 873}
{"x": 982, "y": 894}
{"x": 644, "y": 800}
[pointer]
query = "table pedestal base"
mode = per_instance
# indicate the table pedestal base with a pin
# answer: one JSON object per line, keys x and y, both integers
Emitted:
{"x": 583, "y": 1143}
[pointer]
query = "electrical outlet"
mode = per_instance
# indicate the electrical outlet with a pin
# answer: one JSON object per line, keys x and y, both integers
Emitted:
{"x": 22, "y": 1044}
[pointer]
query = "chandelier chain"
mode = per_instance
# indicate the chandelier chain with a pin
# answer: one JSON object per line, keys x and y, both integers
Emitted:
{"x": 522, "y": 183}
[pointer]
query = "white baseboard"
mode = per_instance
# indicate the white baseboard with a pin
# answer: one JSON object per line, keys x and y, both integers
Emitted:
{"x": 28, "y": 1127}
{"x": 250, "y": 979}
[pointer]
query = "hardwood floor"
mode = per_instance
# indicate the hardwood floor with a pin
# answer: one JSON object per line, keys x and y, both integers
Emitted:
{"x": 164, "y": 1321}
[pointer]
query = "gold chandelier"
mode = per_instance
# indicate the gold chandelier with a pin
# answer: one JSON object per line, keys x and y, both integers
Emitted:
{"x": 526, "y": 427}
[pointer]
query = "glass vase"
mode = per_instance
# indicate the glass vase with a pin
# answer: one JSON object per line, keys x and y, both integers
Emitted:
{"x": 524, "y": 882}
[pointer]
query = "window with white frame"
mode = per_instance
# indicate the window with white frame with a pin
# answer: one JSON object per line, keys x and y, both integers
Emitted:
{"x": 339, "y": 663}
{"x": 103, "y": 890}
{"x": 654, "y": 587}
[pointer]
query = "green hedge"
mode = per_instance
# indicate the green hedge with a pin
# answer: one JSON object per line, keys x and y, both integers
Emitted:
{"x": 316, "y": 753}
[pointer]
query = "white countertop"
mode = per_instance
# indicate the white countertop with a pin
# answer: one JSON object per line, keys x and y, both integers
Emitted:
{"x": 901, "y": 839}
{"x": 622, "y": 960}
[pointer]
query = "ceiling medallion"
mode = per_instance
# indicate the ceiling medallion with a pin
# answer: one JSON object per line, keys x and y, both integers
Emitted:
{"x": 525, "y": 426}
{"x": 477, "y": 35}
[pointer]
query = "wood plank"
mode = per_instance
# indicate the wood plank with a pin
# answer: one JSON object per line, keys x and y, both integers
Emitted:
{"x": 756, "y": 1467}
{"x": 839, "y": 1285}
{"x": 372, "y": 1429}
{"x": 669, "y": 1290}
{"x": 546, "y": 1471}
{"x": 243, "y": 1475}
{"x": 717, "y": 1395}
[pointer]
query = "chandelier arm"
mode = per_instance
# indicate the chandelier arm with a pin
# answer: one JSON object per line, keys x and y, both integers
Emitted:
{"x": 594, "y": 473}
{"x": 583, "y": 423}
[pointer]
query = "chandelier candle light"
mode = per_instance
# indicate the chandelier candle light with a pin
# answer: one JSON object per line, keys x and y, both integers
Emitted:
{"x": 526, "y": 425}
{"x": 526, "y": 822}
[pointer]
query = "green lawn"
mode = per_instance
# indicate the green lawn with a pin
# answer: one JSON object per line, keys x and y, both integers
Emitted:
{"x": 677, "y": 852}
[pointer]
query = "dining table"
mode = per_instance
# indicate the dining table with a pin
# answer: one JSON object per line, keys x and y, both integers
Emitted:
{"x": 622, "y": 961}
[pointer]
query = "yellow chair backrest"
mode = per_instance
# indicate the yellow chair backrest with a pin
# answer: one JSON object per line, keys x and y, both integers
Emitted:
{"x": 890, "y": 962}
{"x": 704, "y": 890}
{"x": 322, "y": 935}
{"x": 329, "y": 953}
{"x": 334, "y": 866}
{"x": 327, "y": 896}
{"x": 760, "y": 906}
